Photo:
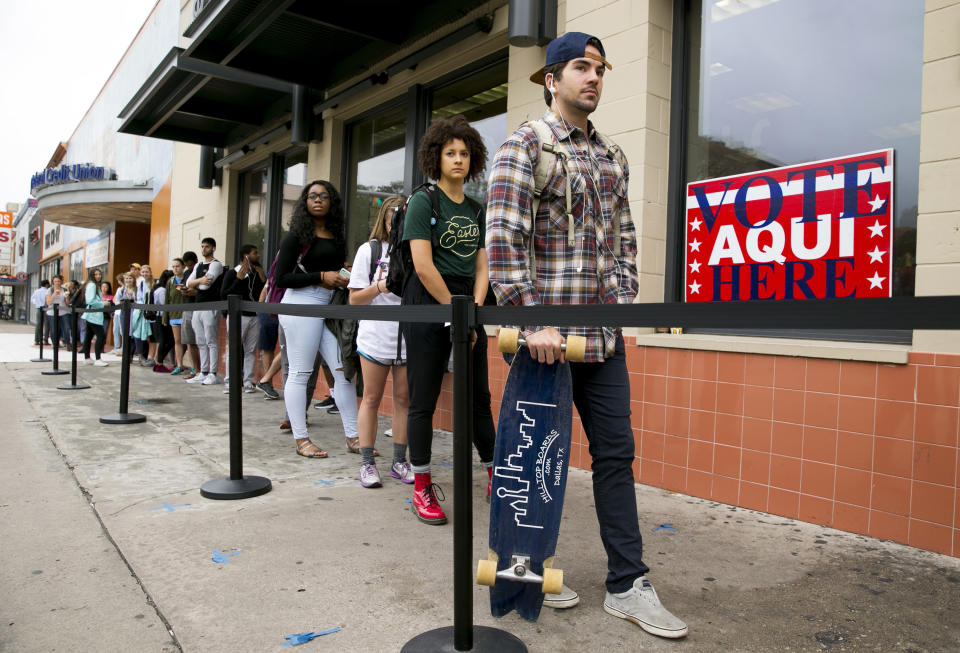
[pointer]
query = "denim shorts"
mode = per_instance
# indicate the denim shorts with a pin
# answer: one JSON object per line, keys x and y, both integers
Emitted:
{"x": 269, "y": 330}
{"x": 381, "y": 361}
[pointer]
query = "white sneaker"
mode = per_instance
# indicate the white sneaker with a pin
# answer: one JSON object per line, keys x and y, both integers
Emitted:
{"x": 567, "y": 598}
{"x": 641, "y": 605}
{"x": 248, "y": 388}
{"x": 199, "y": 378}
{"x": 226, "y": 388}
{"x": 210, "y": 379}
{"x": 100, "y": 363}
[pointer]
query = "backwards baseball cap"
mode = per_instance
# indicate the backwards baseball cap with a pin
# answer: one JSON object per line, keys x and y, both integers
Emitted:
{"x": 135, "y": 265}
{"x": 571, "y": 45}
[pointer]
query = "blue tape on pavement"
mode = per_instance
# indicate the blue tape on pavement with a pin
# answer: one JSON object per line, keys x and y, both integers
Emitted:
{"x": 665, "y": 527}
{"x": 303, "y": 638}
{"x": 169, "y": 508}
{"x": 324, "y": 482}
{"x": 222, "y": 558}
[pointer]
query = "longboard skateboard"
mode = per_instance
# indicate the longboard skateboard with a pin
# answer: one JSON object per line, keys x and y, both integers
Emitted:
{"x": 529, "y": 478}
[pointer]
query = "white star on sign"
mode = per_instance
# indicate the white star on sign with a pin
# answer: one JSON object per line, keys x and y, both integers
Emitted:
{"x": 876, "y": 281}
{"x": 695, "y": 225}
{"x": 876, "y": 203}
{"x": 695, "y": 266}
{"x": 694, "y": 288}
{"x": 877, "y": 229}
{"x": 876, "y": 256}
{"x": 695, "y": 245}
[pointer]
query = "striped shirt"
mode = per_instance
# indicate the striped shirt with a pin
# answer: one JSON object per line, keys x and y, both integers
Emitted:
{"x": 587, "y": 273}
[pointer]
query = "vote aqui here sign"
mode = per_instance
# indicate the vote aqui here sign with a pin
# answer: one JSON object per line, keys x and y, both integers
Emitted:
{"x": 816, "y": 230}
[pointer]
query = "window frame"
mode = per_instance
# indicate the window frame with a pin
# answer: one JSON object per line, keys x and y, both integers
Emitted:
{"x": 680, "y": 98}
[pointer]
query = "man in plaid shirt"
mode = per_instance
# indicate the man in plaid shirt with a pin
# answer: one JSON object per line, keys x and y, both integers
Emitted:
{"x": 591, "y": 261}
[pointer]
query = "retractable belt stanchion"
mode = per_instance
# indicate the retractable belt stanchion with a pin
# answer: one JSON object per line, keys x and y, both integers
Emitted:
{"x": 463, "y": 635}
{"x": 74, "y": 329}
{"x": 56, "y": 344}
{"x": 122, "y": 416}
{"x": 237, "y": 486}
{"x": 40, "y": 359}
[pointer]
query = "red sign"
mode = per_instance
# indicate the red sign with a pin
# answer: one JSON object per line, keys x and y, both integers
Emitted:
{"x": 812, "y": 231}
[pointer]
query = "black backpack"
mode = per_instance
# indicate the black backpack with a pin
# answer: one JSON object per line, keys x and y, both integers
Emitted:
{"x": 401, "y": 261}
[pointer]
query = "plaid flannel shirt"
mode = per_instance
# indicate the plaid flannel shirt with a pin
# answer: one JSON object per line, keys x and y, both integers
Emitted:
{"x": 589, "y": 272}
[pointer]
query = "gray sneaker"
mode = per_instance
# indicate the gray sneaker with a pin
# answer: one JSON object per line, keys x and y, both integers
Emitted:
{"x": 567, "y": 598}
{"x": 641, "y": 605}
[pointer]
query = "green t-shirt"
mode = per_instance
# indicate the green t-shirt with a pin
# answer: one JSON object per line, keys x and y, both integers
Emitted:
{"x": 458, "y": 232}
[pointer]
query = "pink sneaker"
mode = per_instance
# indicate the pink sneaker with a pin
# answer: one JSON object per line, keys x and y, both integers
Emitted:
{"x": 369, "y": 476}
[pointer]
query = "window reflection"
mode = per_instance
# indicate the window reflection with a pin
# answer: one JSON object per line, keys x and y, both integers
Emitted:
{"x": 781, "y": 82}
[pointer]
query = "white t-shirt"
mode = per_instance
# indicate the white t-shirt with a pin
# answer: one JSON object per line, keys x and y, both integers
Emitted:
{"x": 375, "y": 338}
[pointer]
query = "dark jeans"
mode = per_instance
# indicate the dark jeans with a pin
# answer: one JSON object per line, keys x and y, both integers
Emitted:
{"x": 42, "y": 329}
{"x": 428, "y": 351}
{"x": 94, "y": 330}
{"x": 601, "y": 393}
{"x": 64, "y": 321}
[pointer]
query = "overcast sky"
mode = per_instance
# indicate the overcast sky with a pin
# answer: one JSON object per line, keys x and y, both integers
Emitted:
{"x": 55, "y": 56}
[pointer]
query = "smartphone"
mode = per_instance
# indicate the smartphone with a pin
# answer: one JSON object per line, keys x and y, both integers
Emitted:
{"x": 345, "y": 273}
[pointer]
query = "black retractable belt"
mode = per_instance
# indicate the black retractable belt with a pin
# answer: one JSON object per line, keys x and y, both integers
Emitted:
{"x": 56, "y": 344}
{"x": 40, "y": 319}
{"x": 237, "y": 486}
{"x": 74, "y": 326}
{"x": 122, "y": 416}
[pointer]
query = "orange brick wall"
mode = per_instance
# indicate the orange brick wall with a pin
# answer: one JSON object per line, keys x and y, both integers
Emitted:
{"x": 862, "y": 447}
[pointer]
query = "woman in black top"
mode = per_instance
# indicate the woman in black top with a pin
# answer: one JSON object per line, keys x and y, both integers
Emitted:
{"x": 308, "y": 266}
{"x": 449, "y": 259}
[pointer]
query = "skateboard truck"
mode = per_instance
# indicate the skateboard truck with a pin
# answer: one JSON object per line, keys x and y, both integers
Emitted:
{"x": 519, "y": 572}
{"x": 509, "y": 341}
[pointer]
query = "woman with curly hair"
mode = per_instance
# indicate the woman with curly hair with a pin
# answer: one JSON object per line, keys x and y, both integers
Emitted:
{"x": 309, "y": 261}
{"x": 448, "y": 259}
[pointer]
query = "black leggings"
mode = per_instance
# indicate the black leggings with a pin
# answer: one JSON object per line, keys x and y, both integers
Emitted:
{"x": 165, "y": 340}
{"x": 428, "y": 351}
{"x": 91, "y": 331}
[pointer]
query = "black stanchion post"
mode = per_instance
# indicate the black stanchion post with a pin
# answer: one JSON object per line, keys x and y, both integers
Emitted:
{"x": 122, "y": 416}
{"x": 40, "y": 318}
{"x": 464, "y": 636}
{"x": 74, "y": 329}
{"x": 56, "y": 344}
{"x": 237, "y": 486}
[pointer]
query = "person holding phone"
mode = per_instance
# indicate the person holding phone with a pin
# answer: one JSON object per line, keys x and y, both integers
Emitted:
{"x": 247, "y": 279}
{"x": 309, "y": 265}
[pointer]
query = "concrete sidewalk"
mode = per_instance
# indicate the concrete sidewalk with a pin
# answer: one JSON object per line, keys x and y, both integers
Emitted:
{"x": 112, "y": 517}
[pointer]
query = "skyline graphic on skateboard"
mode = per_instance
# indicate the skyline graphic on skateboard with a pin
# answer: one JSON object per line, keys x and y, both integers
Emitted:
{"x": 530, "y": 463}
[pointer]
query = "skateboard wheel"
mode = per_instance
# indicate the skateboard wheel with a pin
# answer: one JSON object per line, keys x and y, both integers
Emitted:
{"x": 486, "y": 572}
{"x": 576, "y": 347}
{"x": 552, "y": 581}
{"x": 508, "y": 341}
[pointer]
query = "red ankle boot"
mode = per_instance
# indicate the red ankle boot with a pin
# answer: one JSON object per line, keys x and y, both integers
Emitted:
{"x": 425, "y": 505}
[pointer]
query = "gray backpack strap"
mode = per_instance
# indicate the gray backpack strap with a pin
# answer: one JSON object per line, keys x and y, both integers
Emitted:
{"x": 542, "y": 173}
{"x": 616, "y": 155}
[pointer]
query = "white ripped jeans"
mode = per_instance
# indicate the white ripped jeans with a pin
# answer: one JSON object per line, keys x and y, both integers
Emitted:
{"x": 304, "y": 335}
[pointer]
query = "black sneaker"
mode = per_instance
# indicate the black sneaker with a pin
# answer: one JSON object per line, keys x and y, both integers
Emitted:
{"x": 333, "y": 410}
{"x": 268, "y": 390}
{"x": 326, "y": 403}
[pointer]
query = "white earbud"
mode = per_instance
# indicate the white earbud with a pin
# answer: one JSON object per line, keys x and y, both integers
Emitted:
{"x": 553, "y": 89}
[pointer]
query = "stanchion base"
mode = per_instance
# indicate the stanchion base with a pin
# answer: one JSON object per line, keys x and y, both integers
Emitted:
{"x": 41, "y": 360}
{"x": 67, "y": 386}
{"x": 123, "y": 418}
{"x": 484, "y": 639}
{"x": 244, "y": 488}
{"x": 52, "y": 372}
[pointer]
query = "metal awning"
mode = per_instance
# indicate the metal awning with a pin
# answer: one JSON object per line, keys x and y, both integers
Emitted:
{"x": 251, "y": 58}
{"x": 96, "y": 204}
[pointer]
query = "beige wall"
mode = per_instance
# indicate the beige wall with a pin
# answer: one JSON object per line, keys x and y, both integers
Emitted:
{"x": 196, "y": 213}
{"x": 938, "y": 222}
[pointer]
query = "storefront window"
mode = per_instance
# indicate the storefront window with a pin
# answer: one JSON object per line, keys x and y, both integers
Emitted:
{"x": 294, "y": 178}
{"x": 76, "y": 266}
{"x": 253, "y": 207}
{"x": 781, "y": 82}
{"x": 376, "y": 150}
{"x": 482, "y": 98}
